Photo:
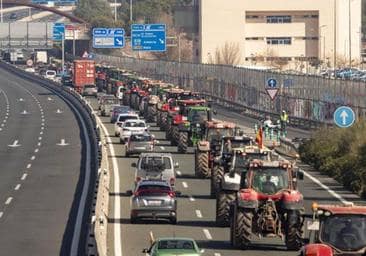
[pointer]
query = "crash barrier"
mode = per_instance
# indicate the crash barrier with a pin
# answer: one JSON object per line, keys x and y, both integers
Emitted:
{"x": 86, "y": 114}
{"x": 309, "y": 100}
{"x": 288, "y": 147}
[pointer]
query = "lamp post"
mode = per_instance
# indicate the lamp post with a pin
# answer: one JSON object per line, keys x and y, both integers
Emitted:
{"x": 349, "y": 35}
{"x": 335, "y": 35}
{"x": 131, "y": 10}
{"x": 115, "y": 10}
{"x": 321, "y": 40}
{"x": 1, "y": 3}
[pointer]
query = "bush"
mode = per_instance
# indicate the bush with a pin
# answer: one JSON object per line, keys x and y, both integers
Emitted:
{"x": 341, "y": 154}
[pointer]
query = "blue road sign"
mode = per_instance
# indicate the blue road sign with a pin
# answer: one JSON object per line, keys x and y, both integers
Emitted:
{"x": 344, "y": 117}
{"x": 108, "y": 37}
{"x": 272, "y": 83}
{"x": 148, "y": 37}
{"x": 58, "y": 31}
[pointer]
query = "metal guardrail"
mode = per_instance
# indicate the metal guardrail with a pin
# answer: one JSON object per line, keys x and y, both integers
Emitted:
{"x": 86, "y": 113}
{"x": 309, "y": 100}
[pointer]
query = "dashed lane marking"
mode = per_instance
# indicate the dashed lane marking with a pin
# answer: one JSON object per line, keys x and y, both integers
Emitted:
{"x": 185, "y": 185}
{"x": 198, "y": 214}
{"x": 17, "y": 187}
{"x": 1, "y": 214}
{"x": 29, "y": 166}
{"x": 33, "y": 157}
{"x": 36, "y": 150}
{"x": 8, "y": 201}
{"x": 207, "y": 234}
{"x": 179, "y": 173}
{"x": 24, "y": 176}
{"x": 191, "y": 198}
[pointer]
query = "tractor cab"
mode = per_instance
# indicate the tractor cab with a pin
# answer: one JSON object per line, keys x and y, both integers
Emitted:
{"x": 336, "y": 230}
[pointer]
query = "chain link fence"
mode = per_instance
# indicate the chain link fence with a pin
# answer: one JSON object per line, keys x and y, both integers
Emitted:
{"x": 310, "y": 100}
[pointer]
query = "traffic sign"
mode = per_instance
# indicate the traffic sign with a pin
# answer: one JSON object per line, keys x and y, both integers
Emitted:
{"x": 344, "y": 117}
{"x": 58, "y": 31}
{"x": 272, "y": 93}
{"x": 272, "y": 83}
{"x": 148, "y": 37}
{"x": 108, "y": 37}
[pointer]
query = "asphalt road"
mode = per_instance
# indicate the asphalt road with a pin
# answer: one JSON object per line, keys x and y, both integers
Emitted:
{"x": 38, "y": 177}
{"x": 20, "y": 14}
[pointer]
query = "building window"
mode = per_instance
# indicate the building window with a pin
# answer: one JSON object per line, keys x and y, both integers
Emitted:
{"x": 278, "y": 40}
{"x": 278, "y": 19}
{"x": 252, "y": 17}
{"x": 252, "y": 38}
{"x": 310, "y": 38}
{"x": 313, "y": 16}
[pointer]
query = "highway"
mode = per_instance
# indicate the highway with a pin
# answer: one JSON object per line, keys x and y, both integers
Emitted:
{"x": 41, "y": 168}
{"x": 196, "y": 210}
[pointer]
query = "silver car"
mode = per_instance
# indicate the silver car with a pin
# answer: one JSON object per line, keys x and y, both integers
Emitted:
{"x": 155, "y": 166}
{"x": 90, "y": 90}
{"x": 107, "y": 104}
{"x": 153, "y": 200}
{"x": 139, "y": 143}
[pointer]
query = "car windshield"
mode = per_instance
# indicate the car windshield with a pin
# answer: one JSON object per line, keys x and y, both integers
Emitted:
{"x": 345, "y": 232}
{"x": 147, "y": 162}
{"x": 270, "y": 180}
{"x": 121, "y": 109}
{"x": 135, "y": 124}
{"x": 240, "y": 143}
{"x": 140, "y": 138}
{"x": 153, "y": 190}
{"x": 109, "y": 101}
{"x": 175, "y": 244}
{"x": 124, "y": 118}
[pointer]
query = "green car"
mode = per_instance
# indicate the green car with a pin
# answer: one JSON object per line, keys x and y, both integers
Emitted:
{"x": 173, "y": 246}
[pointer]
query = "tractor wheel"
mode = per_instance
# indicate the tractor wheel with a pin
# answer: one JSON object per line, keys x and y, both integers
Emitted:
{"x": 163, "y": 125}
{"x": 216, "y": 177}
{"x": 183, "y": 142}
{"x": 201, "y": 165}
{"x": 168, "y": 134}
{"x": 223, "y": 201}
{"x": 158, "y": 119}
{"x": 175, "y": 136}
{"x": 241, "y": 228}
{"x": 151, "y": 112}
{"x": 293, "y": 231}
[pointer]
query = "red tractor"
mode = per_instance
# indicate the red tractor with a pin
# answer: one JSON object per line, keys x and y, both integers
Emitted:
{"x": 210, "y": 145}
{"x": 336, "y": 230}
{"x": 269, "y": 205}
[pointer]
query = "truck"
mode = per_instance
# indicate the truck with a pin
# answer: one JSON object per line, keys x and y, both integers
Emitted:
{"x": 83, "y": 74}
{"x": 41, "y": 57}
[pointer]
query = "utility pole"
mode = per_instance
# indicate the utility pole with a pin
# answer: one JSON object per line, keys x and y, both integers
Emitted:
{"x": 1, "y": 7}
{"x": 73, "y": 42}
{"x": 63, "y": 53}
{"x": 335, "y": 35}
{"x": 131, "y": 10}
{"x": 349, "y": 34}
{"x": 179, "y": 50}
{"x": 115, "y": 10}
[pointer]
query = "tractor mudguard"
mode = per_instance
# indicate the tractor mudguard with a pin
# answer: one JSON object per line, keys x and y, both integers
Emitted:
{"x": 203, "y": 146}
{"x": 248, "y": 198}
{"x": 231, "y": 183}
{"x": 317, "y": 249}
{"x": 293, "y": 200}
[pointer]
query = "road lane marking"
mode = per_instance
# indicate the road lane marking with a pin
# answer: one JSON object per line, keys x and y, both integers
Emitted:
{"x": 217, "y": 254}
{"x": 17, "y": 187}
{"x": 207, "y": 234}
{"x": 41, "y": 133}
{"x": 185, "y": 185}
{"x": 42, "y": 128}
{"x": 162, "y": 148}
{"x": 33, "y": 157}
{"x": 36, "y": 150}
{"x": 191, "y": 198}
{"x": 39, "y": 144}
{"x": 15, "y": 144}
{"x": 29, "y": 166}
{"x": 1, "y": 214}
{"x": 8, "y": 201}
{"x": 179, "y": 173}
{"x": 39, "y": 138}
{"x": 116, "y": 186}
{"x": 24, "y": 176}
{"x": 198, "y": 214}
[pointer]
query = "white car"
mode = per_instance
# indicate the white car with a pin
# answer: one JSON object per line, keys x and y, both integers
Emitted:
{"x": 131, "y": 126}
{"x": 119, "y": 92}
{"x": 50, "y": 74}
{"x": 121, "y": 119}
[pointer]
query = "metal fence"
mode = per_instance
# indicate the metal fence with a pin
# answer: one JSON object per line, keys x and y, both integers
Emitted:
{"x": 304, "y": 97}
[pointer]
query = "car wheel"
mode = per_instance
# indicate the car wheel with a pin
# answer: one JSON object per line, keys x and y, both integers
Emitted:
{"x": 173, "y": 220}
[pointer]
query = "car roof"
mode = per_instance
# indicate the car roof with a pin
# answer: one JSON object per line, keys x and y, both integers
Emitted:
{"x": 154, "y": 182}
{"x": 128, "y": 114}
{"x": 154, "y": 154}
{"x": 135, "y": 120}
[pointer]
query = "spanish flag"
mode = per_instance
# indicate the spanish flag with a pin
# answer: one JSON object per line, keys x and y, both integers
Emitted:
{"x": 259, "y": 138}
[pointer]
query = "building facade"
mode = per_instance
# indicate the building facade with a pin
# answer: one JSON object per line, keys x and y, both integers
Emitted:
{"x": 281, "y": 31}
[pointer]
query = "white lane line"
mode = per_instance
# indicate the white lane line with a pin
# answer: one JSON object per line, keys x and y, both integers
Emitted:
{"x": 29, "y": 166}
{"x": 326, "y": 188}
{"x": 179, "y": 173}
{"x": 162, "y": 148}
{"x": 33, "y": 157}
{"x": 217, "y": 254}
{"x": 185, "y": 185}
{"x": 116, "y": 186}
{"x": 191, "y": 198}
{"x": 39, "y": 138}
{"x": 36, "y": 150}
{"x": 24, "y": 176}
{"x": 39, "y": 144}
{"x": 17, "y": 187}
{"x": 8, "y": 201}
{"x": 1, "y": 214}
{"x": 207, "y": 234}
{"x": 40, "y": 133}
{"x": 42, "y": 128}
{"x": 198, "y": 214}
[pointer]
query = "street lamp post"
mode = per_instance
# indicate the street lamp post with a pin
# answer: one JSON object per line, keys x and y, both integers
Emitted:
{"x": 115, "y": 10}
{"x": 349, "y": 34}
{"x": 2, "y": 19}
{"x": 131, "y": 10}
{"x": 321, "y": 40}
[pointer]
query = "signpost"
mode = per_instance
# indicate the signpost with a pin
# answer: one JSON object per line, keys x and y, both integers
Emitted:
{"x": 58, "y": 31}
{"x": 148, "y": 37}
{"x": 271, "y": 88}
{"x": 344, "y": 117}
{"x": 108, "y": 37}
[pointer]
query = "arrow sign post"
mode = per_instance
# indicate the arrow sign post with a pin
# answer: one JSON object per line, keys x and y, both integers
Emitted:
{"x": 271, "y": 88}
{"x": 63, "y": 143}
{"x": 14, "y": 145}
{"x": 344, "y": 117}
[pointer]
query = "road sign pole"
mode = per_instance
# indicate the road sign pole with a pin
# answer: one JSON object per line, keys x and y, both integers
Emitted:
{"x": 73, "y": 42}
{"x": 63, "y": 53}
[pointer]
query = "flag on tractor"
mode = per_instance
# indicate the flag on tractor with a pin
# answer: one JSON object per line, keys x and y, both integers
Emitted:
{"x": 259, "y": 138}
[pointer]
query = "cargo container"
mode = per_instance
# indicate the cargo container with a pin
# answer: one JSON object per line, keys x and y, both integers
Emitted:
{"x": 83, "y": 73}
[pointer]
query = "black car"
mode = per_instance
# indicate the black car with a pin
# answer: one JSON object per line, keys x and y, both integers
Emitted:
{"x": 66, "y": 81}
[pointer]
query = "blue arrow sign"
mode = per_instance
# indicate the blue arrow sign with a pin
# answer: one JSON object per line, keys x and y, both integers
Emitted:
{"x": 108, "y": 37}
{"x": 344, "y": 117}
{"x": 272, "y": 83}
{"x": 58, "y": 31}
{"x": 148, "y": 37}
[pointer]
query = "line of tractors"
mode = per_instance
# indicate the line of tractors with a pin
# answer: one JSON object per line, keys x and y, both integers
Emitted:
{"x": 255, "y": 190}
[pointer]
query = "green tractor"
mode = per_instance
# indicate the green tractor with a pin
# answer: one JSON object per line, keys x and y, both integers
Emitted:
{"x": 191, "y": 130}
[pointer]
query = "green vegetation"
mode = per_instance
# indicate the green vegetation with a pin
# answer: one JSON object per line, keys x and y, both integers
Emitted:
{"x": 340, "y": 153}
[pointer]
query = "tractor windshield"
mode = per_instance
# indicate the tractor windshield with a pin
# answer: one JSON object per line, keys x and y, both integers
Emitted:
{"x": 270, "y": 180}
{"x": 345, "y": 232}
{"x": 197, "y": 116}
{"x": 217, "y": 134}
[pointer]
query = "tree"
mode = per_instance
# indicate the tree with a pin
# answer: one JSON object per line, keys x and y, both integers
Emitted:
{"x": 228, "y": 54}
